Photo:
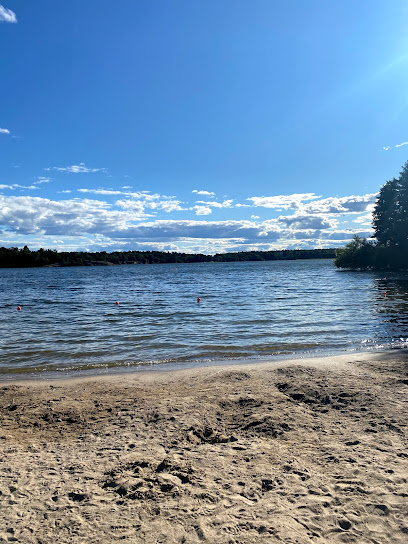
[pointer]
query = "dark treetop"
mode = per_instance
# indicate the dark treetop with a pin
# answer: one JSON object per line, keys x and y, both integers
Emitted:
{"x": 390, "y": 224}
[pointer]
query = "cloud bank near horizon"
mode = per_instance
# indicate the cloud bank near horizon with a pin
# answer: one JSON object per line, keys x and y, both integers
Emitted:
{"x": 135, "y": 220}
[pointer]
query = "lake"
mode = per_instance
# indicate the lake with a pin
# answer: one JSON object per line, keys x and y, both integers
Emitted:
{"x": 69, "y": 319}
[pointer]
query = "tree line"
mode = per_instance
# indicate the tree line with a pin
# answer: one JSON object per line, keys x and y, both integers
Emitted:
{"x": 23, "y": 257}
{"x": 389, "y": 246}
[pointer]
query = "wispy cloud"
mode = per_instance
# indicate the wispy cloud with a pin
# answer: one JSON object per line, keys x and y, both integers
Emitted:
{"x": 4, "y": 131}
{"x": 224, "y": 204}
{"x": 42, "y": 179}
{"x": 105, "y": 192}
{"x": 203, "y": 193}
{"x": 387, "y": 147}
{"x": 17, "y": 186}
{"x": 282, "y": 201}
{"x": 140, "y": 200}
{"x": 76, "y": 169}
{"x": 7, "y": 15}
{"x": 153, "y": 202}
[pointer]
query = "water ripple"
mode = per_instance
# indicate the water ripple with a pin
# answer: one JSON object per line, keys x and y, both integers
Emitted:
{"x": 69, "y": 318}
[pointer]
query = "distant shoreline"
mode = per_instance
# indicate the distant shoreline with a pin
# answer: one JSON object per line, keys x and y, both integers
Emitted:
{"x": 25, "y": 258}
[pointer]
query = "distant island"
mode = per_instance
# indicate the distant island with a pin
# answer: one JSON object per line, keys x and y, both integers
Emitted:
{"x": 24, "y": 258}
{"x": 389, "y": 248}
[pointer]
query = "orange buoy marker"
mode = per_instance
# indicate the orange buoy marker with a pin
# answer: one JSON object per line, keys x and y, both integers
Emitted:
{"x": 18, "y": 308}
{"x": 198, "y": 299}
{"x": 117, "y": 303}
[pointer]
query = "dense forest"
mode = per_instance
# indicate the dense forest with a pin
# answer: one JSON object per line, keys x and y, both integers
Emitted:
{"x": 390, "y": 224}
{"x": 24, "y": 258}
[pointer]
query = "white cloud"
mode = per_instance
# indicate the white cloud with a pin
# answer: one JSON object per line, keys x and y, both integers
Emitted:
{"x": 145, "y": 195}
{"x": 364, "y": 219}
{"x": 17, "y": 186}
{"x": 169, "y": 205}
{"x": 203, "y": 193}
{"x": 131, "y": 205}
{"x": 42, "y": 179}
{"x": 104, "y": 192}
{"x": 75, "y": 217}
{"x": 342, "y": 205}
{"x": 76, "y": 169}
{"x": 140, "y": 205}
{"x": 7, "y": 15}
{"x": 140, "y": 200}
{"x": 198, "y": 229}
{"x": 345, "y": 235}
{"x": 307, "y": 222}
{"x": 282, "y": 201}
{"x": 387, "y": 147}
{"x": 201, "y": 210}
{"x": 4, "y": 130}
{"x": 318, "y": 205}
{"x": 225, "y": 204}
{"x": 127, "y": 222}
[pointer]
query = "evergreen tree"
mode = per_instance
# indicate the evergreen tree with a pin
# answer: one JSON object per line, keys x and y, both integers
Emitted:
{"x": 385, "y": 214}
{"x": 390, "y": 223}
{"x": 402, "y": 210}
{"x": 390, "y": 217}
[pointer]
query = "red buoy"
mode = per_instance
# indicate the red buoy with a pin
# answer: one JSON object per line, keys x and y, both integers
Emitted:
{"x": 18, "y": 308}
{"x": 198, "y": 299}
{"x": 117, "y": 303}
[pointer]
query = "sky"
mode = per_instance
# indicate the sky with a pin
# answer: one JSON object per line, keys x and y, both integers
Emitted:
{"x": 198, "y": 126}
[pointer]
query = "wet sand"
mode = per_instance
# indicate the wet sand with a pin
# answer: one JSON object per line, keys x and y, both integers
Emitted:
{"x": 302, "y": 451}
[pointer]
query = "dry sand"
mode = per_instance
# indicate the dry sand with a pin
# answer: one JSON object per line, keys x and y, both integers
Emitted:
{"x": 297, "y": 452}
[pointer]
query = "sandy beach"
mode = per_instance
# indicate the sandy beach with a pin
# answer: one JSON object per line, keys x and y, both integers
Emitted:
{"x": 302, "y": 451}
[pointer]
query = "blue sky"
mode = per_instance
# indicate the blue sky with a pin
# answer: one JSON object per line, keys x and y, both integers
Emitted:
{"x": 203, "y": 126}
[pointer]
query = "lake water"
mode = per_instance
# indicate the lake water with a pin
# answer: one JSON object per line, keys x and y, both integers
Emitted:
{"x": 252, "y": 310}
